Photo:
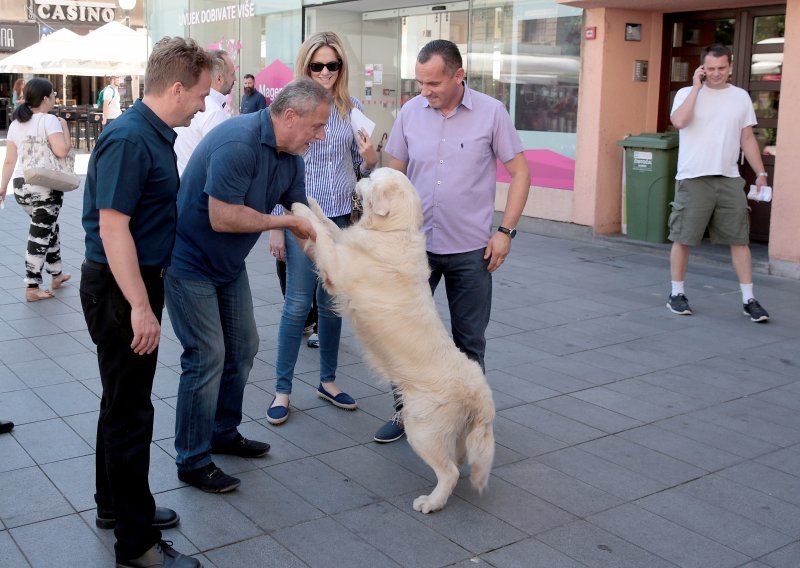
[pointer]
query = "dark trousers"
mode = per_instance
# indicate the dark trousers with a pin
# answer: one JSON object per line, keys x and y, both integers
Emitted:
{"x": 125, "y": 425}
{"x": 468, "y": 285}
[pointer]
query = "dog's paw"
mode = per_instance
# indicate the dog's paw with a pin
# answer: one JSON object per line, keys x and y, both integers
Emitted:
{"x": 301, "y": 210}
{"x": 424, "y": 504}
{"x": 314, "y": 206}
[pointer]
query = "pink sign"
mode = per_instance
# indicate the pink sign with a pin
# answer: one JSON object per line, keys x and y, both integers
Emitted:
{"x": 273, "y": 78}
{"x": 548, "y": 169}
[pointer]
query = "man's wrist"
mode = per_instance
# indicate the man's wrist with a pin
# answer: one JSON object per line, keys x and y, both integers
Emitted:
{"x": 762, "y": 174}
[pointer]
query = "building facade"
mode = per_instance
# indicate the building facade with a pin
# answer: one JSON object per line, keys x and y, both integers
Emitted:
{"x": 576, "y": 75}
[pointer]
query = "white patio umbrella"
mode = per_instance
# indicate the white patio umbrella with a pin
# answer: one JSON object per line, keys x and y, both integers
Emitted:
{"x": 32, "y": 59}
{"x": 112, "y": 49}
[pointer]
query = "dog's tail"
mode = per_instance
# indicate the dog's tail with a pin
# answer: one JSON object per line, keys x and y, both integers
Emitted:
{"x": 480, "y": 441}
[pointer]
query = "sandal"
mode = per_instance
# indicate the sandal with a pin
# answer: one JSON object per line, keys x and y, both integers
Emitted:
{"x": 59, "y": 279}
{"x": 36, "y": 294}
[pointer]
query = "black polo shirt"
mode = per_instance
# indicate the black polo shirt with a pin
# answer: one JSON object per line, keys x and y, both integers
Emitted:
{"x": 132, "y": 170}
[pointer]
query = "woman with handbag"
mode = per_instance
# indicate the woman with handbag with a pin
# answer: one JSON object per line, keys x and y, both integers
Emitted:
{"x": 33, "y": 125}
{"x": 330, "y": 177}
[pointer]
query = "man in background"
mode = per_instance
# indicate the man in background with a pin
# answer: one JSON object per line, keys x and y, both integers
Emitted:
{"x": 715, "y": 120}
{"x": 252, "y": 100}
{"x": 110, "y": 98}
{"x": 223, "y": 78}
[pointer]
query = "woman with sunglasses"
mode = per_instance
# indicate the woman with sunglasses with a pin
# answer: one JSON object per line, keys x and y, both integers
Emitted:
{"x": 331, "y": 166}
{"x": 32, "y": 119}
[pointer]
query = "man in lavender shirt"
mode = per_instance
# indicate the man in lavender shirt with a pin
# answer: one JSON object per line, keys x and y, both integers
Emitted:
{"x": 448, "y": 140}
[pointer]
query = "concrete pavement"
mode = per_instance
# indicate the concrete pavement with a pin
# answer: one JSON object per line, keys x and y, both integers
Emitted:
{"x": 626, "y": 436}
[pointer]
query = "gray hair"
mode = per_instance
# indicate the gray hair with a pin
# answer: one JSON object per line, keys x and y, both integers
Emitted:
{"x": 302, "y": 95}
{"x": 218, "y": 57}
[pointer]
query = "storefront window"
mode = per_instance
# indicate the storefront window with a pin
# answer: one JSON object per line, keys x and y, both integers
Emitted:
{"x": 527, "y": 54}
{"x": 261, "y": 36}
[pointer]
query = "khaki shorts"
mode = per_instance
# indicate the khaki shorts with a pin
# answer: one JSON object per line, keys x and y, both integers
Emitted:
{"x": 716, "y": 202}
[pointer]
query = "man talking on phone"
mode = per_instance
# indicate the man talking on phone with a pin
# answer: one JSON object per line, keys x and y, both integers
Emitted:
{"x": 715, "y": 120}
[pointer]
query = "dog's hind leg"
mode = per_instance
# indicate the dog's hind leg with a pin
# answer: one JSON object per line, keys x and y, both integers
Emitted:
{"x": 436, "y": 453}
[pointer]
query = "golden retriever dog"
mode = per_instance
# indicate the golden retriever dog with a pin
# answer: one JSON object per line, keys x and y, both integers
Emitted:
{"x": 377, "y": 270}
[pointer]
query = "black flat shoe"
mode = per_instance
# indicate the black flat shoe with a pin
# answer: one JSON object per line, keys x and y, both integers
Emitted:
{"x": 6, "y": 426}
{"x": 163, "y": 519}
{"x": 210, "y": 479}
{"x": 242, "y": 447}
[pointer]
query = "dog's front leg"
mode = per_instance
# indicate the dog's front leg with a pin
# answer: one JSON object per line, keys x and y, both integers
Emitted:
{"x": 332, "y": 227}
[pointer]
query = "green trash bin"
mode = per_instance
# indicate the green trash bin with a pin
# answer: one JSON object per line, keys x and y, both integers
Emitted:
{"x": 651, "y": 161}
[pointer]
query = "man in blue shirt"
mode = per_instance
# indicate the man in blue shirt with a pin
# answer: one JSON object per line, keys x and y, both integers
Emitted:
{"x": 234, "y": 179}
{"x": 129, "y": 217}
{"x": 252, "y": 100}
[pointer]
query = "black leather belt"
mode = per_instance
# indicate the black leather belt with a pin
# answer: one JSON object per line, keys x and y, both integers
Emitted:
{"x": 146, "y": 270}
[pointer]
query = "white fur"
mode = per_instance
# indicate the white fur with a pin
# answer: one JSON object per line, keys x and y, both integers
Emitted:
{"x": 378, "y": 272}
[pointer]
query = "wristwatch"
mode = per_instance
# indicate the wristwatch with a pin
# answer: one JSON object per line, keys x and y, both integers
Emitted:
{"x": 510, "y": 232}
{"x": 762, "y": 174}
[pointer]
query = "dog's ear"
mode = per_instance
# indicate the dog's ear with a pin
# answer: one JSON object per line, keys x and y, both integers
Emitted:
{"x": 381, "y": 195}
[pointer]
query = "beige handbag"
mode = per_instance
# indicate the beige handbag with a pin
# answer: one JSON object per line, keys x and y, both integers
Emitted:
{"x": 42, "y": 167}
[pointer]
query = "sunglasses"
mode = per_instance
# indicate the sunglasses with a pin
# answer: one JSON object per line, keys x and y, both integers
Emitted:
{"x": 54, "y": 94}
{"x": 333, "y": 66}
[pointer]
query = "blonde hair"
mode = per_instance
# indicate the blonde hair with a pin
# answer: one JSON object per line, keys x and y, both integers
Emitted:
{"x": 341, "y": 96}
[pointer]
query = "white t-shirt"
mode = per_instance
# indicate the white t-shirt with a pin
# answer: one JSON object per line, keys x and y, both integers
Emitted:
{"x": 111, "y": 95}
{"x": 18, "y": 131}
{"x": 710, "y": 144}
{"x": 202, "y": 123}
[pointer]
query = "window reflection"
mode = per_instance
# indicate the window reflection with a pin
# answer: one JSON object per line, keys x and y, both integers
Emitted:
{"x": 536, "y": 77}
{"x": 767, "y": 66}
{"x": 767, "y": 140}
{"x": 765, "y": 103}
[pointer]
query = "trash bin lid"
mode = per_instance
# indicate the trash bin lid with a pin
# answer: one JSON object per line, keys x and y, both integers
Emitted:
{"x": 655, "y": 140}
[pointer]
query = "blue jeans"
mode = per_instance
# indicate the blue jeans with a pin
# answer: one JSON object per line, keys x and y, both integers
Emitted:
{"x": 468, "y": 284}
{"x": 301, "y": 282}
{"x": 217, "y": 329}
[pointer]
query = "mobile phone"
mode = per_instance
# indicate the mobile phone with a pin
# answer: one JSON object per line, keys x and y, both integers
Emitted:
{"x": 703, "y": 78}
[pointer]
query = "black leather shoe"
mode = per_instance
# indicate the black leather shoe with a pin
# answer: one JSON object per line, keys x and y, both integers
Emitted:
{"x": 6, "y": 426}
{"x": 162, "y": 554}
{"x": 242, "y": 447}
{"x": 210, "y": 479}
{"x": 163, "y": 519}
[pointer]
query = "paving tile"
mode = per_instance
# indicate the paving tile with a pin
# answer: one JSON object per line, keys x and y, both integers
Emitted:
{"x": 9, "y": 381}
{"x": 324, "y": 543}
{"x": 680, "y": 447}
{"x": 552, "y": 424}
{"x": 524, "y": 440}
{"x": 263, "y": 551}
{"x": 642, "y": 460}
{"x": 463, "y": 523}
{"x": 17, "y": 351}
{"x": 51, "y": 440}
{"x": 359, "y": 426}
{"x": 66, "y": 538}
{"x": 29, "y": 497}
{"x": 666, "y": 539}
{"x": 321, "y": 486}
{"x": 515, "y": 506}
{"x": 68, "y": 398}
{"x": 740, "y": 418}
{"x": 401, "y": 536}
{"x": 270, "y": 504}
{"x": 80, "y": 365}
{"x": 594, "y": 547}
{"x": 606, "y": 397}
{"x": 771, "y": 481}
{"x": 720, "y": 437}
{"x": 374, "y": 472}
{"x": 197, "y": 508}
{"x": 786, "y": 460}
{"x": 589, "y": 414}
{"x": 40, "y": 373}
{"x": 312, "y": 435}
{"x": 530, "y": 553}
{"x": 641, "y": 390}
{"x": 85, "y": 425}
{"x": 14, "y": 456}
{"x": 604, "y": 475}
{"x": 10, "y": 554}
{"x": 556, "y": 487}
{"x": 725, "y": 527}
{"x": 521, "y": 389}
{"x": 755, "y": 505}
{"x": 75, "y": 480}
{"x": 562, "y": 382}
{"x": 786, "y": 557}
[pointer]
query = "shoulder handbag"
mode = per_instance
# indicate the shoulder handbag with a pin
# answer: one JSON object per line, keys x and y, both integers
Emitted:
{"x": 42, "y": 167}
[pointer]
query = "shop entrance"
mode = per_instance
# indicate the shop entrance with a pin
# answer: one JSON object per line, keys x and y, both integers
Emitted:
{"x": 382, "y": 46}
{"x": 755, "y": 35}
